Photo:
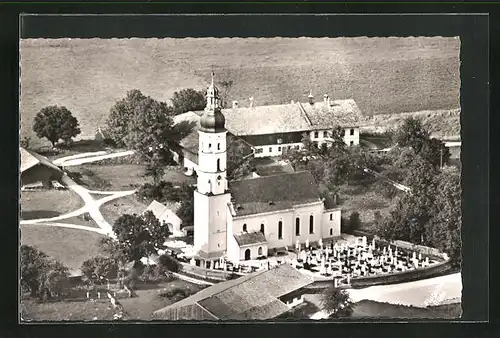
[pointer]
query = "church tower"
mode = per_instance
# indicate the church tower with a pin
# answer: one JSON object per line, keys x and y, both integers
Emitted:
{"x": 211, "y": 197}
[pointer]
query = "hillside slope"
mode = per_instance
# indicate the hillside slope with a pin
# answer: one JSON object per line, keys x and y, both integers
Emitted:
{"x": 384, "y": 75}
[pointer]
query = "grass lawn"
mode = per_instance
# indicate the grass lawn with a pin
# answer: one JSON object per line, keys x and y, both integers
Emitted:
{"x": 123, "y": 176}
{"x": 383, "y": 75}
{"x": 365, "y": 200}
{"x": 79, "y": 220}
{"x": 70, "y": 246}
{"x": 112, "y": 210}
{"x": 71, "y": 311}
{"x": 148, "y": 299}
{"x": 48, "y": 203}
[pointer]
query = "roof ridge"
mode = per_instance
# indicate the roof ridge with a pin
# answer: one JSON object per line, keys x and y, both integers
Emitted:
{"x": 303, "y": 111}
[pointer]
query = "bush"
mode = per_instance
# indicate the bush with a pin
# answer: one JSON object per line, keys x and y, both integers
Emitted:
{"x": 169, "y": 263}
{"x": 155, "y": 274}
{"x": 354, "y": 221}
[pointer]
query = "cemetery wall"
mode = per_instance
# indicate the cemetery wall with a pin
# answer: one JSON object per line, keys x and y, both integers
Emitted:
{"x": 402, "y": 277}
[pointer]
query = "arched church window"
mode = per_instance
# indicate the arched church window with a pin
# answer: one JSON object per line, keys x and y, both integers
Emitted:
{"x": 209, "y": 145}
{"x": 218, "y": 164}
{"x": 259, "y": 251}
{"x": 262, "y": 228}
{"x": 218, "y": 146}
{"x": 297, "y": 226}
{"x": 244, "y": 227}
{"x": 280, "y": 230}
{"x": 311, "y": 224}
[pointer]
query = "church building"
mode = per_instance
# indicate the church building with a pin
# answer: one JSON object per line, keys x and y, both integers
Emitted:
{"x": 244, "y": 219}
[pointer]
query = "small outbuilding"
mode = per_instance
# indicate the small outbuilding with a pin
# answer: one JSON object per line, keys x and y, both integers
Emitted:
{"x": 37, "y": 170}
{"x": 166, "y": 215}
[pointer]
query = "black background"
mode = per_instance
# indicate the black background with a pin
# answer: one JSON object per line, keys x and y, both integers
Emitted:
{"x": 476, "y": 125}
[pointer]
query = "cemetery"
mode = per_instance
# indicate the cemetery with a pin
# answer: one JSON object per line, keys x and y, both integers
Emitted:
{"x": 348, "y": 262}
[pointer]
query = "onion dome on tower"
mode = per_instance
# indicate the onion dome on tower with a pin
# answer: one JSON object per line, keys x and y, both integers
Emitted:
{"x": 212, "y": 120}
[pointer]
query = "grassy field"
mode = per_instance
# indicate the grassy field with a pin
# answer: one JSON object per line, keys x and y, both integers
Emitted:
{"x": 70, "y": 246}
{"x": 111, "y": 211}
{"x": 440, "y": 123}
{"x": 122, "y": 177}
{"x": 48, "y": 203}
{"x": 371, "y": 309}
{"x": 141, "y": 307}
{"x": 365, "y": 200}
{"x": 79, "y": 220}
{"x": 383, "y": 75}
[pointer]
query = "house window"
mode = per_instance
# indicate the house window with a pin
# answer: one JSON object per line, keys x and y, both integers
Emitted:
{"x": 331, "y": 232}
{"x": 218, "y": 146}
{"x": 331, "y": 217}
{"x": 244, "y": 227}
{"x": 262, "y": 228}
{"x": 311, "y": 224}
{"x": 352, "y": 131}
{"x": 270, "y": 149}
{"x": 209, "y": 145}
{"x": 279, "y": 148}
{"x": 259, "y": 150}
{"x": 259, "y": 251}
{"x": 289, "y": 147}
{"x": 316, "y": 134}
{"x": 297, "y": 226}
{"x": 280, "y": 230}
{"x": 351, "y": 143}
{"x": 343, "y": 132}
{"x": 218, "y": 164}
{"x": 297, "y": 147}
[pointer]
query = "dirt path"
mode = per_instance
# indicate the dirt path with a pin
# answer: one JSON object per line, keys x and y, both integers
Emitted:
{"x": 92, "y": 205}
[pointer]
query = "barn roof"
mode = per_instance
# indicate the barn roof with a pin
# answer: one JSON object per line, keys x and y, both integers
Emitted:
{"x": 30, "y": 159}
{"x": 251, "y": 297}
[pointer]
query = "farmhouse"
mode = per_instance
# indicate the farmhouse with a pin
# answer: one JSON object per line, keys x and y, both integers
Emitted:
{"x": 271, "y": 130}
{"x": 258, "y": 296}
{"x": 243, "y": 219}
{"x": 37, "y": 170}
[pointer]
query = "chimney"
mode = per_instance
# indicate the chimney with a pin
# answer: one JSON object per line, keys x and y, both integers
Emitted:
{"x": 235, "y": 104}
{"x": 311, "y": 98}
{"x": 251, "y": 102}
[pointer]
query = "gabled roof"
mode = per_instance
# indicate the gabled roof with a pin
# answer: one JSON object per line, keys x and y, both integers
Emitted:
{"x": 162, "y": 212}
{"x": 272, "y": 119}
{"x": 344, "y": 113}
{"x": 248, "y": 238}
{"x": 273, "y": 193}
{"x": 30, "y": 159}
{"x": 254, "y": 296}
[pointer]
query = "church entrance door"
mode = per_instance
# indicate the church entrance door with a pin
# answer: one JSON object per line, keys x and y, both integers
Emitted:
{"x": 247, "y": 254}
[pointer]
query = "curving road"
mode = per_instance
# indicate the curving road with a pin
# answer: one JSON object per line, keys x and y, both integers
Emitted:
{"x": 92, "y": 205}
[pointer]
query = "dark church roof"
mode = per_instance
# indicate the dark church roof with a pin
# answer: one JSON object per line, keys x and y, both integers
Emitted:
{"x": 250, "y": 238}
{"x": 251, "y": 297}
{"x": 273, "y": 193}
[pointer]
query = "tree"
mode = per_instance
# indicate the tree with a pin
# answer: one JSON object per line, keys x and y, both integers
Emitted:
{"x": 239, "y": 158}
{"x": 226, "y": 86}
{"x": 354, "y": 221}
{"x": 444, "y": 229}
{"x": 53, "y": 279}
{"x": 435, "y": 152}
{"x": 100, "y": 269}
{"x": 155, "y": 168}
{"x": 139, "y": 236}
{"x": 188, "y": 100}
{"x": 56, "y": 123}
{"x": 32, "y": 262}
{"x": 337, "y": 139}
{"x": 337, "y": 302}
{"x": 169, "y": 263}
{"x": 186, "y": 211}
{"x": 411, "y": 134}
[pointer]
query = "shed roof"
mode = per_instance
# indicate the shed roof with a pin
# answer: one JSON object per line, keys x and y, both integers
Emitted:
{"x": 162, "y": 212}
{"x": 248, "y": 238}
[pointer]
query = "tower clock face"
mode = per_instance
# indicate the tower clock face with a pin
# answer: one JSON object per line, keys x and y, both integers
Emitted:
{"x": 219, "y": 177}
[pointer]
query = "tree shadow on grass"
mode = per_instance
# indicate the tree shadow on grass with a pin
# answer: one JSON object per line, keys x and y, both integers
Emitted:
{"x": 34, "y": 214}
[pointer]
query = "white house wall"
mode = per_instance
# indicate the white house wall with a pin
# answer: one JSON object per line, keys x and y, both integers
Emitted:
{"x": 272, "y": 150}
{"x": 254, "y": 251}
{"x": 333, "y": 224}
